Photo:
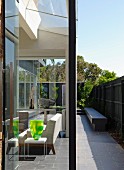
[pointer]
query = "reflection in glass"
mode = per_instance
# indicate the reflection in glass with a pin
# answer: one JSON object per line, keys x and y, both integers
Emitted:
{"x": 21, "y": 95}
{"x": 27, "y": 95}
{"x": 26, "y": 81}
{"x": 21, "y": 76}
{"x": 11, "y": 127}
{"x": 11, "y": 16}
{"x": 16, "y": 128}
{"x": 27, "y": 76}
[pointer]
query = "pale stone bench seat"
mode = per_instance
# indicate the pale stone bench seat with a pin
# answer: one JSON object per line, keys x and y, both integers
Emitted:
{"x": 97, "y": 120}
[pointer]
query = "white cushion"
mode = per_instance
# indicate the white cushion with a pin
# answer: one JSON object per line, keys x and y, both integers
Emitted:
{"x": 32, "y": 141}
{"x": 13, "y": 141}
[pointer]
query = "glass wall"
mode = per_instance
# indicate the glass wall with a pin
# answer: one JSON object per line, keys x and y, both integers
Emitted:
{"x": 10, "y": 116}
{"x": 27, "y": 80}
{"x": 50, "y": 81}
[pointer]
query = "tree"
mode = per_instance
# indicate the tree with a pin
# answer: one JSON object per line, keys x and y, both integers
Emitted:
{"x": 50, "y": 73}
{"x": 87, "y": 71}
{"x": 55, "y": 92}
{"x": 81, "y": 67}
{"x": 85, "y": 92}
{"x": 92, "y": 72}
{"x": 106, "y": 76}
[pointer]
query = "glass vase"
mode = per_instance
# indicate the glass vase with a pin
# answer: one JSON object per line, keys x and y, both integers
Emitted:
{"x": 36, "y": 128}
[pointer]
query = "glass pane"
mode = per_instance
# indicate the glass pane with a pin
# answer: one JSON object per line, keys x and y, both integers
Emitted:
{"x": 27, "y": 77}
{"x": 53, "y": 14}
{"x": 49, "y": 6}
{"x": 27, "y": 95}
{"x": 11, "y": 140}
{"x": 21, "y": 95}
{"x": 21, "y": 76}
{"x": 11, "y": 16}
{"x": 32, "y": 78}
{"x": 11, "y": 62}
{"x": 52, "y": 84}
{"x": 46, "y": 64}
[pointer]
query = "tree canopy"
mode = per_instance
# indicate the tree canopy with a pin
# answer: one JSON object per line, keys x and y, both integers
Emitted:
{"x": 106, "y": 76}
{"x": 85, "y": 72}
{"x": 92, "y": 73}
{"x": 52, "y": 72}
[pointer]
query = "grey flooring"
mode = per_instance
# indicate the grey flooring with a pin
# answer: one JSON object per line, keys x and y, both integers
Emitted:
{"x": 59, "y": 161}
{"x": 97, "y": 150}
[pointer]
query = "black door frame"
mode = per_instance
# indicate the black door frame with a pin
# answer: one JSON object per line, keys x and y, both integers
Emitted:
{"x": 72, "y": 84}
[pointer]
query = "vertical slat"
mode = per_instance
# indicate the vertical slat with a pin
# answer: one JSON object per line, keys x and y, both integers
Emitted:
{"x": 11, "y": 97}
{"x": 122, "y": 105}
{"x": 1, "y": 111}
{"x": 1, "y": 105}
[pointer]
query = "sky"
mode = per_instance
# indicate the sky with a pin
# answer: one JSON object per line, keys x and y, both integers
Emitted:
{"x": 101, "y": 33}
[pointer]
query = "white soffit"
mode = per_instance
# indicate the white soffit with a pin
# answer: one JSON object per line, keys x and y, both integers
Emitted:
{"x": 31, "y": 54}
{"x": 46, "y": 40}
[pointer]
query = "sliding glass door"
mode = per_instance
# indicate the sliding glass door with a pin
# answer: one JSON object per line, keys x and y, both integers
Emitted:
{"x": 10, "y": 118}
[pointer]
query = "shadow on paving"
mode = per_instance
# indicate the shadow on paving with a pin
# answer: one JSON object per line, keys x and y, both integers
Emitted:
{"x": 97, "y": 150}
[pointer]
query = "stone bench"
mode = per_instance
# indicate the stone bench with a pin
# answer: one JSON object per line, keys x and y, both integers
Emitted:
{"x": 97, "y": 120}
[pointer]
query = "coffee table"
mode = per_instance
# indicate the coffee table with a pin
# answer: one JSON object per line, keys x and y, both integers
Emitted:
{"x": 32, "y": 141}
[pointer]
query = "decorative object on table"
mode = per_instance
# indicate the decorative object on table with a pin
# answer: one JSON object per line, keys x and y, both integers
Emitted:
{"x": 31, "y": 105}
{"x": 31, "y": 98}
{"x": 36, "y": 128}
{"x": 46, "y": 103}
{"x": 16, "y": 128}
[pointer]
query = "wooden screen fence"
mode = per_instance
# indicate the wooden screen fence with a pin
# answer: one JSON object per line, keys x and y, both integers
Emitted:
{"x": 108, "y": 99}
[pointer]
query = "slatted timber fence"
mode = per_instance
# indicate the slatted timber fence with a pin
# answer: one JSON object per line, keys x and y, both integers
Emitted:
{"x": 108, "y": 99}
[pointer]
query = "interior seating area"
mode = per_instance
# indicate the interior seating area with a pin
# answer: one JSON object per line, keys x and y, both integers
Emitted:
{"x": 50, "y": 132}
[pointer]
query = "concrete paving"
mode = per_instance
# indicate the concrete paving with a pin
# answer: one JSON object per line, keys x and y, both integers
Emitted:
{"x": 97, "y": 150}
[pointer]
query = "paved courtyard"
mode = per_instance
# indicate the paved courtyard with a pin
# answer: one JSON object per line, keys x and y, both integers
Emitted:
{"x": 95, "y": 151}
